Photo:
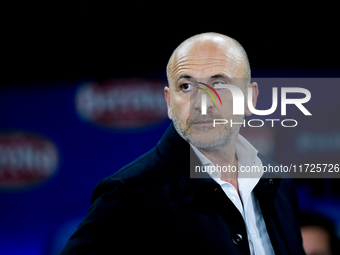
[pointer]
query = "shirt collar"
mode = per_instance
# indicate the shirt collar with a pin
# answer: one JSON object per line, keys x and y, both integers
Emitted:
{"x": 246, "y": 155}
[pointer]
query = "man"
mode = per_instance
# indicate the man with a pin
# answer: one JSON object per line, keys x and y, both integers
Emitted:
{"x": 156, "y": 205}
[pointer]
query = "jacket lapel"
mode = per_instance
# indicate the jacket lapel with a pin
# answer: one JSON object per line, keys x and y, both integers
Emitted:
{"x": 265, "y": 191}
{"x": 181, "y": 161}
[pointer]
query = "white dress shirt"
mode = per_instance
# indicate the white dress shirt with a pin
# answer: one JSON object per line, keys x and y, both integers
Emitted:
{"x": 247, "y": 204}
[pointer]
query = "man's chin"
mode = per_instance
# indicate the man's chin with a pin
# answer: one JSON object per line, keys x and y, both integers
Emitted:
{"x": 205, "y": 130}
{"x": 199, "y": 128}
{"x": 205, "y": 138}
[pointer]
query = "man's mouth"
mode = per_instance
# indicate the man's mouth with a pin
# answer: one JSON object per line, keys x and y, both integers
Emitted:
{"x": 203, "y": 122}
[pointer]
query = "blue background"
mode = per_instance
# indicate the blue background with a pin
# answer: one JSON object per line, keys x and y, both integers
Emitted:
{"x": 49, "y": 50}
{"x": 39, "y": 219}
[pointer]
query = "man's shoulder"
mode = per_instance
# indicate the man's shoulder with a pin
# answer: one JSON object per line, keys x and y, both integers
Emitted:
{"x": 145, "y": 171}
{"x": 145, "y": 166}
{"x": 152, "y": 170}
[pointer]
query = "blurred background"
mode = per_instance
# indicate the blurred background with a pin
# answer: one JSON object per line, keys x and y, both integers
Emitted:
{"x": 82, "y": 95}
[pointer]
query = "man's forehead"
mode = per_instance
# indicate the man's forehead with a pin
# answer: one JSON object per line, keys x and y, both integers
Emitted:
{"x": 220, "y": 75}
{"x": 207, "y": 53}
{"x": 214, "y": 66}
{"x": 210, "y": 52}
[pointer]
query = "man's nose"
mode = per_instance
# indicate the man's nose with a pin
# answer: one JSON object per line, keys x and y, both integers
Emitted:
{"x": 203, "y": 102}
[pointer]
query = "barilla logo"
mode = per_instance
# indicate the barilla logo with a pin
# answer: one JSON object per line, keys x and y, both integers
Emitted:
{"x": 238, "y": 103}
{"x": 122, "y": 103}
{"x": 26, "y": 159}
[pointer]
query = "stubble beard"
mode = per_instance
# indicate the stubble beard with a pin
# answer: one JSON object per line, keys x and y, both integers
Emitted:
{"x": 221, "y": 139}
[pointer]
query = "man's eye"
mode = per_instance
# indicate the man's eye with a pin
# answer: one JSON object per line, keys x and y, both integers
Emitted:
{"x": 220, "y": 82}
{"x": 186, "y": 87}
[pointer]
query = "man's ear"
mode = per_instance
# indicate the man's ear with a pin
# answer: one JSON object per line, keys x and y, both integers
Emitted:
{"x": 167, "y": 99}
{"x": 255, "y": 93}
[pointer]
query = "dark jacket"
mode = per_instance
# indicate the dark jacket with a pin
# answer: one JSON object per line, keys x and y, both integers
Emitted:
{"x": 152, "y": 206}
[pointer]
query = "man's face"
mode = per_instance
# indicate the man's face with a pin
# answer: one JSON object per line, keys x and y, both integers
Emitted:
{"x": 209, "y": 63}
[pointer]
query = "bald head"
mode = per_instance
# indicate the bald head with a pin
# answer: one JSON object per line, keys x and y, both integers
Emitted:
{"x": 201, "y": 62}
{"x": 203, "y": 49}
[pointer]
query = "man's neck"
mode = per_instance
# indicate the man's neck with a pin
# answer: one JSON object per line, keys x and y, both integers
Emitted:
{"x": 224, "y": 156}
